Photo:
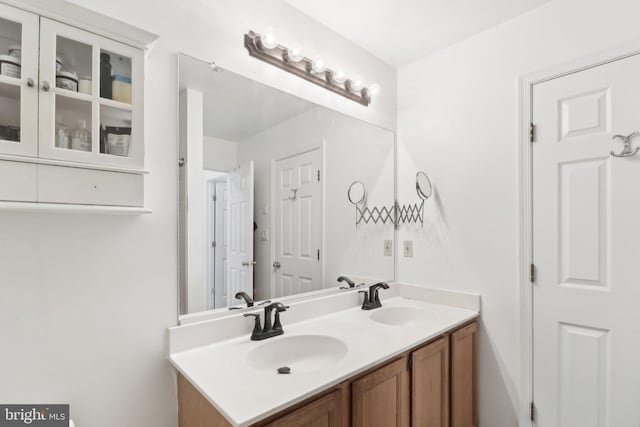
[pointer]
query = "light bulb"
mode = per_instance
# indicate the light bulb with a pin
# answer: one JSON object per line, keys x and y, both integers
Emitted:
{"x": 294, "y": 54}
{"x": 268, "y": 39}
{"x": 373, "y": 90}
{"x": 356, "y": 84}
{"x": 318, "y": 65}
{"x": 339, "y": 76}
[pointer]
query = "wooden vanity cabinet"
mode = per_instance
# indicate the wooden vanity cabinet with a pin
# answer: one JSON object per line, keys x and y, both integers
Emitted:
{"x": 382, "y": 397}
{"x": 430, "y": 385}
{"x": 434, "y": 385}
{"x": 464, "y": 376}
{"x": 328, "y": 411}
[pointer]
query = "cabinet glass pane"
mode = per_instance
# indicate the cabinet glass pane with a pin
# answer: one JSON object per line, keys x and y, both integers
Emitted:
{"x": 9, "y": 112}
{"x": 73, "y": 124}
{"x": 115, "y": 77}
{"x": 115, "y": 131}
{"x": 10, "y": 48}
{"x": 73, "y": 65}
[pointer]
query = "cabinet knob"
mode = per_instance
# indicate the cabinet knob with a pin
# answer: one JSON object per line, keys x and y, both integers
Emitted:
{"x": 45, "y": 86}
{"x": 31, "y": 82}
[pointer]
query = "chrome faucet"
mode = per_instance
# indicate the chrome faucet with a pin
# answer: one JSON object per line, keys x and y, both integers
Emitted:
{"x": 268, "y": 330}
{"x": 372, "y": 298}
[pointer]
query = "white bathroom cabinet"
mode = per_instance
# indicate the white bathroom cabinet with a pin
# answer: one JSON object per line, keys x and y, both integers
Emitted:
{"x": 66, "y": 141}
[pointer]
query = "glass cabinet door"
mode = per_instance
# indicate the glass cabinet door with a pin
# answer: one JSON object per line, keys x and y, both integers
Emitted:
{"x": 90, "y": 99}
{"x": 18, "y": 82}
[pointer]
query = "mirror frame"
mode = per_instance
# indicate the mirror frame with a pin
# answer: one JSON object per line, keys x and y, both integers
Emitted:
{"x": 218, "y": 313}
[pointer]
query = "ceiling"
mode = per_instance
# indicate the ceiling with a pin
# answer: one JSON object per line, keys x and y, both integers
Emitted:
{"x": 402, "y": 31}
{"x": 236, "y": 107}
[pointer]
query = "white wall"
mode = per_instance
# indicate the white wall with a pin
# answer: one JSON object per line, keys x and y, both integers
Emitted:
{"x": 458, "y": 121}
{"x": 219, "y": 154}
{"x": 85, "y": 300}
{"x": 354, "y": 150}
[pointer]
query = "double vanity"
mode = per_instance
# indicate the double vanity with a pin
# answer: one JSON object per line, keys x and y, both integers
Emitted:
{"x": 411, "y": 361}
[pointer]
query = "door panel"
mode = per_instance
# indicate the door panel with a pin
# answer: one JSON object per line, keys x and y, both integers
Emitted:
{"x": 298, "y": 220}
{"x": 240, "y": 231}
{"x": 324, "y": 412}
{"x": 381, "y": 398}
{"x": 464, "y": 377}
{"x": 585, "y": 245}
{"x": 220, "y": 273}
{"x": 19, "y": 100}
{"x": 430, "y": 385}
{"x": 89, "y": 116}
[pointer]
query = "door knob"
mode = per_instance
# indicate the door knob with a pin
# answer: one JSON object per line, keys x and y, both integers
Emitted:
{"x": 30, "y": 82}
{"x": 248, "y": 263}
{"x": 45, "y": 86}
{"x": 276, "y": 264}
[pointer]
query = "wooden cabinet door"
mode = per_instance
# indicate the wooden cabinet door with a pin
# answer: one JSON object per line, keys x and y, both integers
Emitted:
{"x": 381, "y": 398}
{"x": 430, "y": 385}
{"x": 464, "y": 377}
{"x": 324, "y": 412}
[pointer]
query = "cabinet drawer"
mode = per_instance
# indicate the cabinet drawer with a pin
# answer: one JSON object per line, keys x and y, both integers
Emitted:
{"x": 18, "y": 181}
{"x": 58, "y": 184}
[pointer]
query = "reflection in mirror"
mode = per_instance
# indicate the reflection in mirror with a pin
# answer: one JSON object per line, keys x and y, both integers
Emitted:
{"x": 357, "y": 193}
{"x": 423, "y": 185}
{"x": 264, "y": 175}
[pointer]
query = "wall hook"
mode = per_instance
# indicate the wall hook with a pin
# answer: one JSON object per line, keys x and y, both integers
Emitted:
{"x": 626, "y": 150}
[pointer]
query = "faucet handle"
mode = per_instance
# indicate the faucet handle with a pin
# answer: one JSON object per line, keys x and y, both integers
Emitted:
{"x": 366, "y": 302}
{"x": 257, "y": 327}
{"x": 277, "y": 306}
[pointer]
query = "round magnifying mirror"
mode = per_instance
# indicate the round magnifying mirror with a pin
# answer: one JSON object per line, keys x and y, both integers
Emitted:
{"x": 356, "y": 193}
{"x": 423, "y": 185}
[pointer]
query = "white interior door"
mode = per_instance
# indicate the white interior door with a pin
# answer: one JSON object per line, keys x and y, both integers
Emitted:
{"x": 221, "y": 245}
{"x": 586, "y": 249}
{"x": 240, "y": 231}
{"x": 298, "y": 194}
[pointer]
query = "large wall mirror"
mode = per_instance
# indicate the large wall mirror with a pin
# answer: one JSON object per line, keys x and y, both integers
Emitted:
{"x": 264, "y": 177}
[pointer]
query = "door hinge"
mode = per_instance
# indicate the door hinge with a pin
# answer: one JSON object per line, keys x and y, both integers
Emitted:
{"x": 215, "y": 198}
{"x": 532, "y": 132}
{"x": 410, "y": 362}
{"x": 532, "y": 413}
{"x": 532, "y": 273}
{"x": 213, "y": 244}
{"x": 318, "y": 175}
{"x": 318, "y": 254}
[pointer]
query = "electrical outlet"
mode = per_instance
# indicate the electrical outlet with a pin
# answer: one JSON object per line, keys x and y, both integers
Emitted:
{"x": 388, "y": 247}
{"x": 407, "y": 249}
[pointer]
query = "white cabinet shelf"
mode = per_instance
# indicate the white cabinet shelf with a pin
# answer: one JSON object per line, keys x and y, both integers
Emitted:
{"x": 72, "y": 107}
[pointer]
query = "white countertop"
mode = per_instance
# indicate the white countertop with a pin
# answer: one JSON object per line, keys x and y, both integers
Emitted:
{"x": 245, "y": 395}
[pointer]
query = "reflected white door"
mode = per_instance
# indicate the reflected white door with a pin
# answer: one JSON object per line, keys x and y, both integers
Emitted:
{"x": 240, "y": 231}
{"x": 220, "y": 246}
{"x": 298, "y": 193}
{"x": 586, "y": 246}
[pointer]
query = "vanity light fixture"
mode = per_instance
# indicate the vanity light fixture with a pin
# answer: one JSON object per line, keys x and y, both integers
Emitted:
{"x": 266, "y": 48}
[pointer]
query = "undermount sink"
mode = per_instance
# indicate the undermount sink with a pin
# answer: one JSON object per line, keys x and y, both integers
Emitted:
{"x": 300, "y": 353}
{"x": 401, "y": 316}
